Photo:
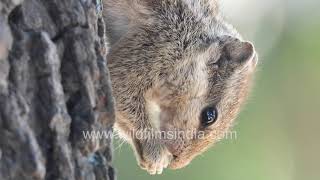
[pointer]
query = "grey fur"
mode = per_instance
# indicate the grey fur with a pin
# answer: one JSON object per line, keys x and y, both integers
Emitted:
{"x": 180, "y": 56}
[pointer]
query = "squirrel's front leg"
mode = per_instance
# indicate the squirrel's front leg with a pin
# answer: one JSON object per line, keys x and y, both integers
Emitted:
{"x": 151, "y": 153}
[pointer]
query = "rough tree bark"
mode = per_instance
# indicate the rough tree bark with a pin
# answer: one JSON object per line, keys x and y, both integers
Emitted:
{"x": 54, "y": 85}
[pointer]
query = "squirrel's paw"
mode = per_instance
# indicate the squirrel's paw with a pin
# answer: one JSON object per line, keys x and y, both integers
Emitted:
{"x": 153, "y": 156}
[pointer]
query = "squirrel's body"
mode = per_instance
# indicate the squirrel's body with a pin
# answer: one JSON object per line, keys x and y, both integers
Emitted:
{"x": 171, "y": 61}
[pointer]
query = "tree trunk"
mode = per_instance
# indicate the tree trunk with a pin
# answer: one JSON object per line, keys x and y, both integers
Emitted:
{"x": 54, "y": 87}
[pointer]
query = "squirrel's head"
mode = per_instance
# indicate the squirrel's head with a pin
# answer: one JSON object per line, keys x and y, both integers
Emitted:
{"x": 195, "y": 103}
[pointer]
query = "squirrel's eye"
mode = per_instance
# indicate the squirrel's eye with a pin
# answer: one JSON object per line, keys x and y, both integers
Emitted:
{"x": 209, "y": 116}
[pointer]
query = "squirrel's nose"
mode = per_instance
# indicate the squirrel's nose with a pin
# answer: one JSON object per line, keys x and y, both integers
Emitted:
{"x": 175, "y": 147}
{"x": 174, "y": 157}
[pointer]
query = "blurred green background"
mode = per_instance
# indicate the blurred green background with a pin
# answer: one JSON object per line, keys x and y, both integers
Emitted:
{"x": 278, "y": 131}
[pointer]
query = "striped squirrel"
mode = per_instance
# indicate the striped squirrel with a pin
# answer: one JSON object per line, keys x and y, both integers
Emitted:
{"x": 175, "y": 66}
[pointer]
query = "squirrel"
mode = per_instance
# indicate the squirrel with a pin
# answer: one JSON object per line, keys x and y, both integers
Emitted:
{"x": 175, "y": 66}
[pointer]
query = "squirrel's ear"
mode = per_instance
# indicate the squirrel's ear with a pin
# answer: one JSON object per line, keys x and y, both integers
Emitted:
{"x": 238, "y": 51}
{"x": 121, "y": 15}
